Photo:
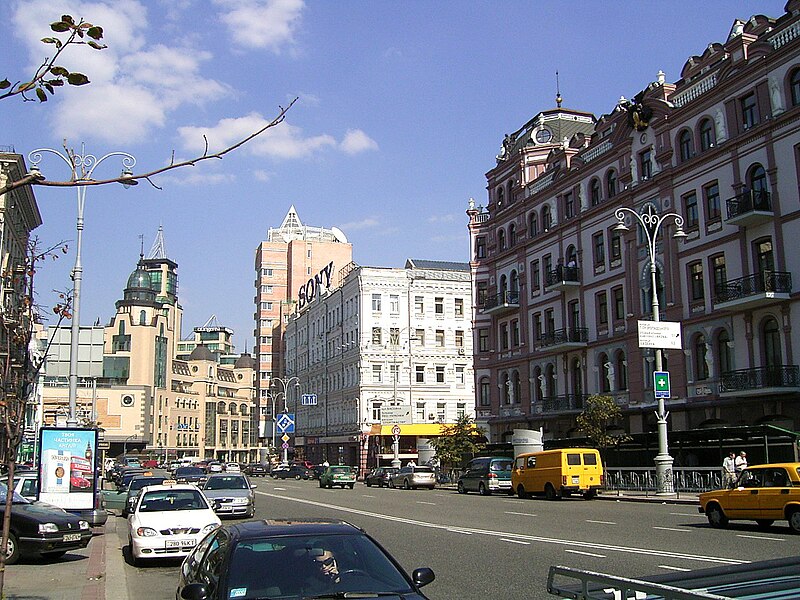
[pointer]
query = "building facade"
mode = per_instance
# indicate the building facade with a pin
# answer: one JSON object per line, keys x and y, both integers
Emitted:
{"x": 387, "y": 347}
{"x": 559, "y": 289}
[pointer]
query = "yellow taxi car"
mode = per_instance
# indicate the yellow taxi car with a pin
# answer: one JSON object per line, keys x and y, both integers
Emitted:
{"x": 762, "y": 493}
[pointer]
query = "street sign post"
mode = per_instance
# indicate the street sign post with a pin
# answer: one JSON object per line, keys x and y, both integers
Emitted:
{"x": 660, "y": 334}
{"x": 308, "y": 400}
{"x": 661, "y": 384}
{"x": 285, "y": 422}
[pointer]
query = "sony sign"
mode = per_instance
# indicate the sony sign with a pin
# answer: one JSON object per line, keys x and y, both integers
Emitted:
{"x": 311, "y": 289}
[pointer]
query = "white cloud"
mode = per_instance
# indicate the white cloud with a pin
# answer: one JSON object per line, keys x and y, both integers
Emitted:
{"x": 269, "y": 24}
{"x": 262, "y": 175}
{"x": 190, "y": 178}
{"x": 356, "y": 141}
{"x": 366, "y": 223}
{"x": 442, "y": 219}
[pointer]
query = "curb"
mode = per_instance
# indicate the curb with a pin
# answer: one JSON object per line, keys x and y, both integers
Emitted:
{"x": 116, "y": 583}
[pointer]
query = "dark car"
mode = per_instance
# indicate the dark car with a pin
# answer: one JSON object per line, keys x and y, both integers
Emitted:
{"x": 293, "y": 472}
{"x": 190, "y": 475}
{"x": 295, "y": 559}
{"x": 317, "y": 470}
{"x": 380, "y": 476}
{"x": 136, "y": 485}
{"x": 255, "y": 470}
{"x": 38, "y": 529}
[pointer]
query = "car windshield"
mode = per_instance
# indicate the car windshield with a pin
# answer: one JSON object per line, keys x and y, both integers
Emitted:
{"x": 302, "y": 566}
{"x": 501, "y": 465}
{"x": 226, "y": 483}
{"x": 345, "y": 470}
{"x": 137, "y": 484}
{"x": 15, "y": 497}
{"x": 164, "y": 500}
{"x": 189, "y": 471}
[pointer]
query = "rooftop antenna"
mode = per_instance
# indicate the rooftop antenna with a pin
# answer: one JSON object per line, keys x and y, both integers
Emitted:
{"x": 141, "y": 246}
{"x": 558, "y": 92}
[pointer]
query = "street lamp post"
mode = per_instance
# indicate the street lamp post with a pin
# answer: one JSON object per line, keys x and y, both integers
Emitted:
{"x": 125, "y": 443}
{"x": 82, "y": 167}
{"x": 285, "y": 383}
{"x": 651, "y": 223}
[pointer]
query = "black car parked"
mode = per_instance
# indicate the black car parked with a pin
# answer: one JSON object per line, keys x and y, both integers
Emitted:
{"x": 255, "y": 470}
{"x": 380, "y": 476}
{"x": 38, "y": 529}
{"x": 190, "y": 475}
{"x": 295, "y": 559}
{"x": 293, "y": 472}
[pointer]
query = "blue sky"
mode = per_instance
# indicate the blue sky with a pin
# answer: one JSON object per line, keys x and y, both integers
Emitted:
{"x": 402, "y": 108}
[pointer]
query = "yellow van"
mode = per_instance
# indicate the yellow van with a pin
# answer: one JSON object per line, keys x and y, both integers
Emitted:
{"x": 557, "y": 473}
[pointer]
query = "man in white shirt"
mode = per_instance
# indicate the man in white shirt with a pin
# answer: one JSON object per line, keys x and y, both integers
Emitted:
{"x": 741, "y": 462}
{"x": 729, "y": 469}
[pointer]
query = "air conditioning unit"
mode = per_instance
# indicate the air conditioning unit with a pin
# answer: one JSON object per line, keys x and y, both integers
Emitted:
{"x": 461, "y": 351}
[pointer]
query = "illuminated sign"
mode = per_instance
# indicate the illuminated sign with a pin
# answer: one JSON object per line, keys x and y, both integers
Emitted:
{"x": 311, "y": 289}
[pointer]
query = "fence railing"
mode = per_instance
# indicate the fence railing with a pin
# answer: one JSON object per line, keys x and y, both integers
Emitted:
{"x": 688, "y": 480}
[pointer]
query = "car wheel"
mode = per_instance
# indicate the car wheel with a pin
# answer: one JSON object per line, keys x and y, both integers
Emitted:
{"x": 483, "y": 490}
{"x": 764, "y": 523}
{"x": 368, "y": 483}
{"x": 406, "y": 484}
{"x": 352, "y": 485}
{"x": 716, "y": 517}
{"x": 461, "y": 489}
{"x": 550, "y": 492}
{"x": 794, "y": 521}
{"x": 321, "y": 484}
{"x": 391, "y": 483}
{"x": 12, "y": 549}
{"x": 297, "y": 477}
{"x": 330, "y": 486}
{"x": 521, "y": 493}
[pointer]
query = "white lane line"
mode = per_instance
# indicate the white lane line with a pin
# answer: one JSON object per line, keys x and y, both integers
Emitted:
{"x": 760, "y": 537}
{"x": 702, "y": 516}
{"x": 423, "y": 502}
{"x": 585, "y": 553}
{"x": 276, "y": 489}
{"x": 506, "y": 534}
{"x": 508, "y": 512}
{"x": 601, "y": 522}
{"x": 672, "y": 568}
{"x": 460, "y": 531}
{"x": 515, "y": 542}
{"x": 672, "y": 529}
{"x": 367, "y": 496}
{"x": 517, "y": 501}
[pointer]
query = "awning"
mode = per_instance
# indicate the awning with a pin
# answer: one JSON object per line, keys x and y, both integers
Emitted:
{"x": 421, "y": 429}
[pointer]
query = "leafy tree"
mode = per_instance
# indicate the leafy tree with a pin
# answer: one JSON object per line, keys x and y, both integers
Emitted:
{"x": 456, "y": 440}
{"x": 598, "y": 417}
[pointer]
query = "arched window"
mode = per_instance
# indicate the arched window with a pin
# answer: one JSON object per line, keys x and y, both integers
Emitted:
{"x": 550, "y": 381}
{"x": 538, "y": 383}
{"x": 503, "y": 283}
{"x": 221, "y": 407}
{"x": 533, "y": 225}
{"x": 604, "y": 366}
{"x": 142, "y": 317}
{"x": 622, "y": 371}
{"x": 757, "y": 178}
{"x": 772, "y": 344}
{"x": 510, "y": 191}
{"x": 232, "y": 408}
{"x": 501, "y": 239}
{"x": 577, "y": 379}
{"x": 594, "y": 191}
{"x": 706, "y": 135}
{"x": 571, "y": 256}
{"x": 724, "y": 354}
{"x": 794, "y": 87}
{"x": 685, "y": 145}
{"x": 514, "y": 281}
{"x": 700, "y": 362}
{"x": 611, "y": 183}
{"x": 243, "y": 410}
{"x": 547, "y": 218}
{"x": 512, "y": 235}
{"x": 501, "y": 196}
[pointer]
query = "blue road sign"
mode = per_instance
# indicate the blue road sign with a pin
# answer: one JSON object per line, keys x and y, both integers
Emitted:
{"x": 285, "y": 422}
{"x": 661, "y": 384}
{"x": 308, "y": 400}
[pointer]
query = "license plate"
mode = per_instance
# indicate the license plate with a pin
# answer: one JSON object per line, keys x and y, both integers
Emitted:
{"x": 180, "y": 543}
{"x": 576, "y": 479}
{"x": 72, "y": 537}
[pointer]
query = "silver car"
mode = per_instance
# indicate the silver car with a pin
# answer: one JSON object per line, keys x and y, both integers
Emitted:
{"x": 410, "y": 478}
{"x": 230, "y": 494}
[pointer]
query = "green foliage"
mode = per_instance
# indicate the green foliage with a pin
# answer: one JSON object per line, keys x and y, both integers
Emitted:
{"x": 600, "y": 414}
{"x": 463, "y": 437}
{"x": 49, "y": 75}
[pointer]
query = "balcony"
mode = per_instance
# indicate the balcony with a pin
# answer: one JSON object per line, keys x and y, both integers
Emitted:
{"x": 753, "y": 290}
{"x": 562, "y": 278}
{"x": 763, "y": 381}
{"x": 750, "y": 208}
{"x": 503, "y": 302}
{"x": 563, "y": 403}
{"x": 564, "y": 339}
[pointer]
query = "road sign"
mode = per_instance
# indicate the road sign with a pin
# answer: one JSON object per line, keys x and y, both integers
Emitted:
{"x": 661, "y": 384}
{"x": 308, "y": 400}
{"x": 660, "y": 334}
{"x": 395, "y": 415}
{"x": 396, "y": 430}
{"x": 104, "y": 445}
{"x": 285, "y": 422}
{"x": 285, "y": 446}
{"x": 285, "y": 438}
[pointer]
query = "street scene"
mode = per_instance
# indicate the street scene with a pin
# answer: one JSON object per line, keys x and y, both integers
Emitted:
{"x": 399, "y": 300}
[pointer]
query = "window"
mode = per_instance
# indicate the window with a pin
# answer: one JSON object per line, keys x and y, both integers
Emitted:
{"x": 394, "y": 304}
{"x": 602, "y": 309}
{"x": 535, "y": 276}
{"x": 377, "y": 335}
{"x": 420, "y": 412}
{"x": 794, "y": 85}
{"x": 711, "y": 193}
{"x": 616, "y": 246}
{"x": 569, "y": 204}
{"x": 594, "y": 192}
{"x": 619, "y": 304}
{"x": 646, "y": 164}
{"x": 480, "y": 247}
{"x": 724, "y": 352}
{"x": 440, "y": 338}
{"x": 696, "y": 288}
{"x": 266, "y": 289}
{"x": 419, "y": 334}
{"x": 536, "y": 323}
{"x": 376, "y": 412}
{"x": 706, "y": 135}
{"x": 685, "y": 145}
{"x": 460, "y": 379}
{"x": 376, "y": 302}
{"x": 599, "y": 246}
{"x": 533, "y": 225}
{"x": 459, "y": 307}
{"x": 501, "y": 239}
{"x": 690, "y": 210}
{"x": 772, "y": 344}
{"x": 439, "y": 373}
{"x": 758, "y": 181}
{"x": 700, "y": 362}
{"x": 611, "y": 183}
{"x": 547, "y": 218}
{"x": 377, "y": 373}
{"x": 501, "y": 196}
{"x": 512, "y": 235}
{"x": 719, "y": 272}
{"x": 549, "y": 321}
{"x": 515, "y": 333}
{"x": 419, "y": 373}
{"x": 459, "y": 338}
{"x": 504, "y": 336}
{"x": 419, "y": 303}
{"x": 481, "y": 292}
{"x": 484, "y": 392}
{"x": 622, "y": 372}
{"x": 439, "y": 305}
{"x": 483, "y": 340}
{"x": 441, "y": 411}
{"x": 749, "y": 111}
{"x": 266, "y": 272}
{"x": 394, "y": 372}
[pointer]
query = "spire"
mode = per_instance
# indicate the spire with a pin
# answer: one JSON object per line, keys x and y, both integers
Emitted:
{"x": 291, "y": 221}
{"x": 158, "y": 249}
{"x": 558, "y": 92}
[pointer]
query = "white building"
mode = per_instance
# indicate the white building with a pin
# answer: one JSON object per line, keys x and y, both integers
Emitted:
{"x": 398, "y": 338}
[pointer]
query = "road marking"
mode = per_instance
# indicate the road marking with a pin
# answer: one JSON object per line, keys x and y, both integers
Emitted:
{"x": 508, "y": 512}
{"x": 601, "y": 522}
{"x": 701, "y": 515}
{"x": 515, "y": 541}
{"x": 276, "y": 489}
{"x": 506, "y": 534}
{"x": 672, "y": 568}
{"x": 517, "y": 501}
{"x": 460, "y": 531}
{"x": 366, "y": 496}
{"x": 423, "y": 502}
{"x": 760, "y": 537}
{"x": 672, "y": 529}
{"x": 586, "y": 553}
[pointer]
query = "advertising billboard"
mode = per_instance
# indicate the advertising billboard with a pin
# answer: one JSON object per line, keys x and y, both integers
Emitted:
{"x": 68, "y": 467}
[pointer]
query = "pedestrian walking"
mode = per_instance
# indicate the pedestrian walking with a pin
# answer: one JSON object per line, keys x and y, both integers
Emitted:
{"x": 741, "y": 462}
{"x": 729, "y": 469}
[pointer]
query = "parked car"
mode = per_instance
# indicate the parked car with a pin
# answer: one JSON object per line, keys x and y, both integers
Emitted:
{"x": 230, "y": 494}
{"x": 338, "y": 475}
{"x": 232, "y": 467}
{"x": 123, "y": 499}
{"x": 762, "y": 493}
{"x": 487, "y": 474}
{"x": 557, "y": 473}
{"x": 255, "y": 470}
{"x": 190, "y": 475}
{"x": 293, "y": 472}
{"x": 168, "y": 521}
{"x": 214, "y": 466}
{"x": 380, "y": 476}
{"x": 276, "y": 469}
{"x": 27, "y": 484}
{"x": 410, "y": 478}
{"x": 38, "y": 529}
{"x": 296, "y": 559}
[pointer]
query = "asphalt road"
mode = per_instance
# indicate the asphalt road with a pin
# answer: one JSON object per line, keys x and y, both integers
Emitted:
{"x": 501, "y": 547}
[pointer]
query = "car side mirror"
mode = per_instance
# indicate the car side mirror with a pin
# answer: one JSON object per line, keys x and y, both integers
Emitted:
{"x": 194, "y": 591}
{"x": 422, "y": 576}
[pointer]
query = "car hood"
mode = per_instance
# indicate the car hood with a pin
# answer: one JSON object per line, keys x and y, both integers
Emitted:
{"x": 210, "y": 494}
{"x": 42, "y": 512}
{"x": 175, "y": 519}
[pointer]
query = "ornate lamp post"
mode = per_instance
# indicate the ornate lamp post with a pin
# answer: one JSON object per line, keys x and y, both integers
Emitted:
{"x": 284, "y": 383}
{"x": 82, "y": 167}
{"x": 651, "y": 223}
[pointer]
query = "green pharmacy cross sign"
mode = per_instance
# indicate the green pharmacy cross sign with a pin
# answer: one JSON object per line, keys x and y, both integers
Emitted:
{"x": 661, "y": 384}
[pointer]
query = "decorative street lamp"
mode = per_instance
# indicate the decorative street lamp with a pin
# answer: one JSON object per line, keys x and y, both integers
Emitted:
{"x": 285, "y": 383}
{"x": 651, "y": 223}
{"x": 82, "y": 167}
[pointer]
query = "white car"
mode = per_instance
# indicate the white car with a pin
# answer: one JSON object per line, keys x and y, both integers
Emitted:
{"x": 232, "y": 468}
{"x": 168, "y": 521}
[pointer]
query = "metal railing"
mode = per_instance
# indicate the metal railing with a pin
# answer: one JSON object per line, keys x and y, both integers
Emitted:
{"x": 561, "y": 274}
{"x": 750, "y": 285}
{"x": 778, "y": 376}
{"x": 564, "y": 402}
{"x": 749, "y": 201}
{"x": 502, "y": 299}
{"x": 568, "y": 335}
{"x": 688, "y": 480}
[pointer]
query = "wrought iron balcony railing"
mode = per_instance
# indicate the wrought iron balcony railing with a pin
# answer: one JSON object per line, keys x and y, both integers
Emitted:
{"x": 564, "y": 403}
{"x": 750, "y": 202}
{"x": 503, "y": 300}
{"x": 560, "y": 275}
{"x": 568, "y": 335}
{"x": 779, "y": 376}
{"x": 751, "y": 285}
